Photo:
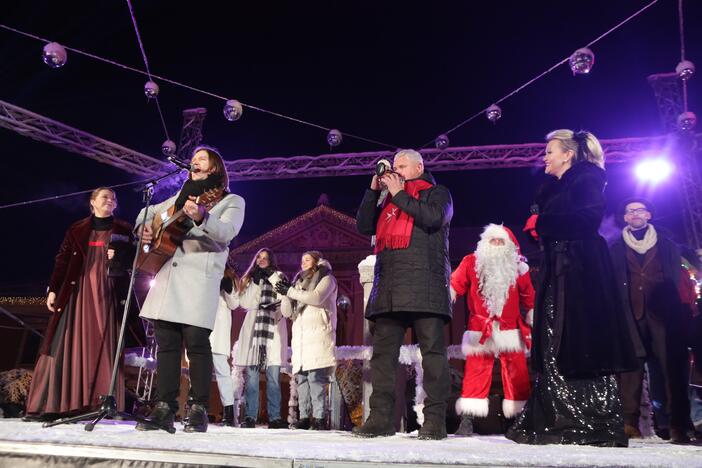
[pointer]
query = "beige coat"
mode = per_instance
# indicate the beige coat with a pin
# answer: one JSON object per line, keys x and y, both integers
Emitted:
{"x": 186, "y": 289}
{"x": 314, "y": 330}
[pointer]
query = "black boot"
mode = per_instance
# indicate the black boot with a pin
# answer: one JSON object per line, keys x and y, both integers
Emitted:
{"x": 303, "y": 423}
{"x": 319, "y": 424}
{"x": 377, "y": 425}
{"x": 432, "y": 429}
{"x": 160, "y": 418}
{"x": 248, "y": 423}
{"x": 228, "y": 417}
{"x": 197, "y": 420}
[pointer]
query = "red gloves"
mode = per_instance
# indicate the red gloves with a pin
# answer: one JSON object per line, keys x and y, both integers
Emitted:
{"x": 530, "y": 226}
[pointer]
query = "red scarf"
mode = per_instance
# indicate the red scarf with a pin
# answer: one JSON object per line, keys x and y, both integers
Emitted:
{"x": 394, "y": 228}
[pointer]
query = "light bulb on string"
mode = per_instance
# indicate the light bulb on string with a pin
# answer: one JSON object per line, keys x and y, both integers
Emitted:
{"x": 334, "y": 137}
{"x": 233, "y": 110}
{"x": 168, "y": 147}
{"x": 493, "y": 113}
{"x": 151, "y": 89}
{"x": 54, "y": 55}
{"x": 582, "y": 61}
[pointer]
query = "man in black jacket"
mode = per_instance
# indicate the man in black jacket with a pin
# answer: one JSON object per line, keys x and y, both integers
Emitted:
{"x": 648, "y": 270}
{"x": 409, "y": 215}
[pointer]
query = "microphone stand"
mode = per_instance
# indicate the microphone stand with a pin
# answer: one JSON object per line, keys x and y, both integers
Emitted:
{"x": 108, "y": 406}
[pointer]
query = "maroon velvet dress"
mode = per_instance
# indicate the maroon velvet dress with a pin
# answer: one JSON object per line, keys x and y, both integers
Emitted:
{"x": 77, "y": 369}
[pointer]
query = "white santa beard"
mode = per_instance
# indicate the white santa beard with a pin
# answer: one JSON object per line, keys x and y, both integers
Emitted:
{"x": 496, "y": 267}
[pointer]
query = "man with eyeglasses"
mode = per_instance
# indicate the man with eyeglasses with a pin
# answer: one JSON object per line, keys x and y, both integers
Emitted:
{"x": 648, "y": 270}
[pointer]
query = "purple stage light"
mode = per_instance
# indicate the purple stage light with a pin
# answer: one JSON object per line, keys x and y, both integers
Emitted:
{"x": 653, "y": 170}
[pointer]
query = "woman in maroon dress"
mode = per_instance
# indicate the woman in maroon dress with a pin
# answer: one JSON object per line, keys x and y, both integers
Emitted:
{"x": 76, "y": 357}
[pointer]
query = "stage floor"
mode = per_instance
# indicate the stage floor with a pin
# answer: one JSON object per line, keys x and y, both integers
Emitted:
{"x": 115, "y": 443}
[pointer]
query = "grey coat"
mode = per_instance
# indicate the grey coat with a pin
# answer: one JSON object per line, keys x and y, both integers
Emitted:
{"x": 187, "y": 286}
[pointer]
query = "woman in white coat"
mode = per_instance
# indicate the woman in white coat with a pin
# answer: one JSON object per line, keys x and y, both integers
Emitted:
{"x": 263, "y": 339}
{"x": 311, "y": 304}
{"x": 183, "y": 302}
{"x": 220, "y": 340}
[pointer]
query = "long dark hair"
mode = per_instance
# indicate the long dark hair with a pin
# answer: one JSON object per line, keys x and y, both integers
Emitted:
{"x": 246, "y": 277}
{"x": 217, "y": 162}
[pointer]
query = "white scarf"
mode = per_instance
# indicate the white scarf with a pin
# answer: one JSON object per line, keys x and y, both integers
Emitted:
{"x": 640, "y": 246}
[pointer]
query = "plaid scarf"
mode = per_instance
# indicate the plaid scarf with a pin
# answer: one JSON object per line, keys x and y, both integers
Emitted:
{"x": 264, "y": 324}
{"x": 394, "y": 228}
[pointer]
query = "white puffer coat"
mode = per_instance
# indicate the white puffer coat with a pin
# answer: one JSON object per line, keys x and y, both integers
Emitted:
{"x": 313, "y": 330}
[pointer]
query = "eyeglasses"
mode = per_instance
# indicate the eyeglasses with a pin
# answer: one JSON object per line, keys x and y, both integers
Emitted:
{"x": 635, "y": 211}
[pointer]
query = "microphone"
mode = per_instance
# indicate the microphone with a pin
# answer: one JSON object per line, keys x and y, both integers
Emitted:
{"x": 180, "y": 164}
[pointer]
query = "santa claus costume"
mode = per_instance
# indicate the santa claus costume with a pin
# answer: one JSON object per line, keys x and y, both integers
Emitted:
{"x": 496, "y": 282}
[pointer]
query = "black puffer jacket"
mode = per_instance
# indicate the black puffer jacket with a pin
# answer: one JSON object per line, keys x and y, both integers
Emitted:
{"x": 590, "y": 326}
{"x": 415, "y": 279}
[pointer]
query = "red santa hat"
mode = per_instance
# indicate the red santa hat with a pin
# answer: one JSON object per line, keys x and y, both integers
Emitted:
{"x": 500, "y": 231}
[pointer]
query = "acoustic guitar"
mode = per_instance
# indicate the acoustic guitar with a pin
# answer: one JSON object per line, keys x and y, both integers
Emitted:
{"x": 170, "y": 228}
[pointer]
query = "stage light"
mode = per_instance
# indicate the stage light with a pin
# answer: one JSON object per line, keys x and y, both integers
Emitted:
{"x": 653, "y": 170}
{"x": 54, "y": 55}
{"x": 334, "y": 137}
{"x": 581, "y": 61}
{"x": 493, "y": 113}
{"x": 233, "y": 110}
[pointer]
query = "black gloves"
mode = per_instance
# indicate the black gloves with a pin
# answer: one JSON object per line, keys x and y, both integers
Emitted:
{"x": 261, "y": 273}
{"x": 282, "y": 286}
{"x": 226, "y": 285}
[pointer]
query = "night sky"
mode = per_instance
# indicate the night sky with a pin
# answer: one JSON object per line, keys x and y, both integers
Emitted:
{"x": 393, "y": 72}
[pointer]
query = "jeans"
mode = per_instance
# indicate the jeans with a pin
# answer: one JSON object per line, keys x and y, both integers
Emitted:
{"x": 272, "y": 392}
{"x": 312, "y": 392}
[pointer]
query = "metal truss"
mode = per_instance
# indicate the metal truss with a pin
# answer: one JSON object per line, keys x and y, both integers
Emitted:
{"x": 450, "y": 159}
{"x": 191, "y": 132}
{"x": 46, "y": 130}
{"x": 669, "y": 97}
{"x": 668, "y": 90}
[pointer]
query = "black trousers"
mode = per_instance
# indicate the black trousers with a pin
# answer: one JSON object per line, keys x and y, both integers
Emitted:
{"x": 666, "y": 354}
{"x": 387, "y": 339}
{"x": 170, "y": 337}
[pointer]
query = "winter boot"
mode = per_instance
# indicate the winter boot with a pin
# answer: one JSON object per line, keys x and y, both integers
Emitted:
{"x": 228, "y": 417}
{"x": 161, "y": 417}
{"x": 377, "y": 425}
{"x": 318, "y": 424}
{"x": 432, "y": 429}
{"x": 197, "y": 420}
{"x": 303, "y": 423}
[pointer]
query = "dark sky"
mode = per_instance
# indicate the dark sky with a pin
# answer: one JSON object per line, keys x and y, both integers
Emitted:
{"x": 389, "y": 71}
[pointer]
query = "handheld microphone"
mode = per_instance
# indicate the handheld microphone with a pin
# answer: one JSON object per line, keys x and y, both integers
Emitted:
{"x": 180, "y": 164}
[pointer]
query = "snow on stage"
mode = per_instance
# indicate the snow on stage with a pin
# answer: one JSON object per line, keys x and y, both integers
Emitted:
{"x": 114, "y": 443}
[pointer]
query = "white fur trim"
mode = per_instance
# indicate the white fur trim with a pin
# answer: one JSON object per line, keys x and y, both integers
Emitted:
{"x": 500, "y": 341}
{"x": 530, "y": 318}
{"x": 523, "y": 268}
{"x": 472, "y": 406}
{"x": 511, "y": 408}
{"x": 497, "y": 231}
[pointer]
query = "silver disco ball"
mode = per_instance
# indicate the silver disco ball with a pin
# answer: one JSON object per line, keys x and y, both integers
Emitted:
{"x": 168, "y": 147}
{"x": 233, "y": 110}
{"x": 493, "y": 113}
{"x": 334, "y": 137}
{"x": 442, "y": 141}
{"x": 151, "y": 89}
{"x": 54, "y": 55}
{"x": 343, "y": 303}
{"x": 581, "y": 61}
{"x": 687, "y": 121}
{"x": 685, "y": 70}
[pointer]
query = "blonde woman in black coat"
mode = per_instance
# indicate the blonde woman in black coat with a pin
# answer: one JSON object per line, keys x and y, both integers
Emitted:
{"x": 580, "y": 335}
